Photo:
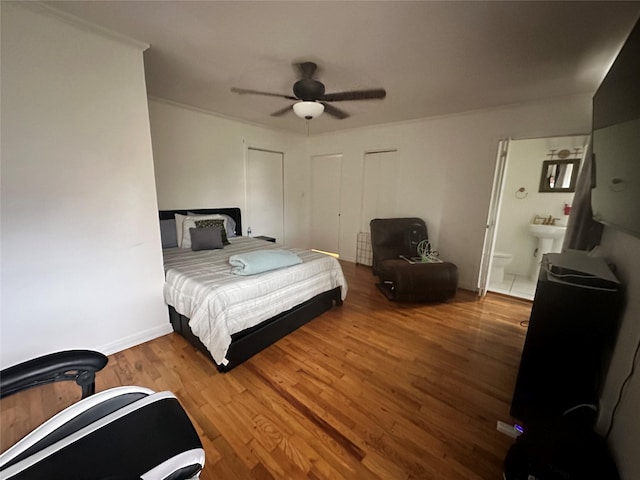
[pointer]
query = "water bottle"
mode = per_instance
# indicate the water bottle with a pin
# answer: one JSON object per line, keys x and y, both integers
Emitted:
{"x": 249, "y": 231}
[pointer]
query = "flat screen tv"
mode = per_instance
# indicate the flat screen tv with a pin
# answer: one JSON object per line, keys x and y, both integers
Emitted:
{"x": 615, "y": 197}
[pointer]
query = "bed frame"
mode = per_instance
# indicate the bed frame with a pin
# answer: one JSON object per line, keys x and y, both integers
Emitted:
{"x": 247, "y": 343}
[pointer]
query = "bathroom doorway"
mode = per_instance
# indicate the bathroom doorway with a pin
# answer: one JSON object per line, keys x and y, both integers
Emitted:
{"x": 522, "y": 197}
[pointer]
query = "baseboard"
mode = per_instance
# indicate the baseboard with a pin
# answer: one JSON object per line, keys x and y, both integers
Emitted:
{"x": 137, "y": 339}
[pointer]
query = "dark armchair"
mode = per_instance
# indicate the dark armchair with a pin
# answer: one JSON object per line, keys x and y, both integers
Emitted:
{"x": 401, "y": 280}
{"x": 392, "y": 237}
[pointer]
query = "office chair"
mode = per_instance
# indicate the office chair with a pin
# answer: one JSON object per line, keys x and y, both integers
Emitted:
{"x": 122, "y": 433}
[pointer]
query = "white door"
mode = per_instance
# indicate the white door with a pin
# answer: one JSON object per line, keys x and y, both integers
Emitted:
{"x": 492, "y": 218}
{"x": 379, "y": 186}
{"x": 265, "y": 194}
{"x": 325, "y": 202}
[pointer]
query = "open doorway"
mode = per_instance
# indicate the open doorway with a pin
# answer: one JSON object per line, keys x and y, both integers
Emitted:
{"x": 514, "y": 251}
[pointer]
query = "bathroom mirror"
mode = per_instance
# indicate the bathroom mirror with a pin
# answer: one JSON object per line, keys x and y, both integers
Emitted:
{"x": 559, "y": 175}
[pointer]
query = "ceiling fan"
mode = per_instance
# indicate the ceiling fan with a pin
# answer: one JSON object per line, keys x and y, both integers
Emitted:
{"x": 311, "y": 99}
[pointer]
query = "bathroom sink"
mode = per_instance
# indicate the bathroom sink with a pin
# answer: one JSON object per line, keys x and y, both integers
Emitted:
{"x": 547, "y": 231}
{"x": 549, "y": 239}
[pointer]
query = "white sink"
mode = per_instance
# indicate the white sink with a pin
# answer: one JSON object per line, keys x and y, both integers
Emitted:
{"x": 547, "y": 231}
{"x": 549, "y": 240}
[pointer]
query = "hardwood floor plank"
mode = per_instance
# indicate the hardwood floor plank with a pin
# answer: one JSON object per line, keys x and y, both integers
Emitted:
{"x": 372, "y": 389}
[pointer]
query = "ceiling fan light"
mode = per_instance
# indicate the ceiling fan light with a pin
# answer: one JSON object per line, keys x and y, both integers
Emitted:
{"x": 308, "y": 110}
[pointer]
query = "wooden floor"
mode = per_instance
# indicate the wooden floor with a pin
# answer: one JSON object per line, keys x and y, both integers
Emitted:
{"x": 372, "y": 389}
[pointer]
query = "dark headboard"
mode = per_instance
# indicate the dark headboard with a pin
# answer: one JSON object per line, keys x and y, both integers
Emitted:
{"x": 233, "y": 212}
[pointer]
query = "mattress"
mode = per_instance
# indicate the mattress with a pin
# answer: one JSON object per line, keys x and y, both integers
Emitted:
{"x": 200, "y": 286}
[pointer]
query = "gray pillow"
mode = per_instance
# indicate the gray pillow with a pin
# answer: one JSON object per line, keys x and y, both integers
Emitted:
{"x": 215, "y": 223}
{"x": 168, "y": 233}
{"x": 206, "y": 238}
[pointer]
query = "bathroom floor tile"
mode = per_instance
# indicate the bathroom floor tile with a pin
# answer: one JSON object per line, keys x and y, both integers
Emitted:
{"x": 503, "y": 287}
{"x": 497, "y": 289}
{"x": 516, "y": 286}
{"x": 524, "y": 287}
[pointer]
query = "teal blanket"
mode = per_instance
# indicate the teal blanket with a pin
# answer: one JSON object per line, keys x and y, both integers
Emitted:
{"x": 260, "y": 261}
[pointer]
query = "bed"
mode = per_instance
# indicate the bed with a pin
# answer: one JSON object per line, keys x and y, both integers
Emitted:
{"x": 231, "y": 317}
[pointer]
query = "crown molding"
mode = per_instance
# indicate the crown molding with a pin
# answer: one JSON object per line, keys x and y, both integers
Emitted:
{"x": 82, "y": 24}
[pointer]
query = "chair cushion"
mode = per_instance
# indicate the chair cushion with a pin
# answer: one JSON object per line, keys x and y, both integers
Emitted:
{"x": 150, "y": 433}
{"x": 420, "y": 282}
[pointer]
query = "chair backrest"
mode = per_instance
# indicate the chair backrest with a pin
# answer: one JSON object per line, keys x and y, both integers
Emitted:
{"x": 392, "y": 237}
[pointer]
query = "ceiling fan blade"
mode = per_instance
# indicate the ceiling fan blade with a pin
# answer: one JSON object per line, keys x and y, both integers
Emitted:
{"x": 307, "y": 69}
{"x": 243, "y": 91}
{"x": 334, "y": 111}
{"x": 355, "y": 95}
{"x": 282, "y": 111}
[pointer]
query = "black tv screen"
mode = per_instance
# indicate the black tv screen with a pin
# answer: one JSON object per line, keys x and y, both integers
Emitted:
{"x": 615, "y": 197}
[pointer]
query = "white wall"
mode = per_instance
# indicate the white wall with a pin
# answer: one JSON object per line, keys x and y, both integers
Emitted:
{"x": 624, "y": 251}
{"x": 524, "y": 167}
{"x": 81, "y": 254}
{"x": 200, "y": 163}
{"x": 445, "y": 169}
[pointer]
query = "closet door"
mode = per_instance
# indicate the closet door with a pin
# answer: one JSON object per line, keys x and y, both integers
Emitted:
{"x": 325, "y": 202}
{"x": 379, "y": 186}
{"x": 265, "y": 194}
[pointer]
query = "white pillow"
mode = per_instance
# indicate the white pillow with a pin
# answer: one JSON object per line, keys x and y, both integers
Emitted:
{"x": 179, "y": 221}
{"x": 190, "y": 222}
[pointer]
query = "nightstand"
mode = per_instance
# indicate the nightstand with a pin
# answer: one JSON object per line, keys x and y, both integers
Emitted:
{"x": 266, "y": 239}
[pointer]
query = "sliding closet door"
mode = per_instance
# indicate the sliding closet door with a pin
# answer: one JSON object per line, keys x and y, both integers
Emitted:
{"x": 265, "y": 194}
{"x": 325, "y": 202}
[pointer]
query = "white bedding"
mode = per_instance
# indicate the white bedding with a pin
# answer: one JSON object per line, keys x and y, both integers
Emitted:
{"x": 200, "y": 286}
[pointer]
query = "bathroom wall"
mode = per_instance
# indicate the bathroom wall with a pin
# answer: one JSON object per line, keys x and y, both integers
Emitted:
{"x": 524, "y": 166}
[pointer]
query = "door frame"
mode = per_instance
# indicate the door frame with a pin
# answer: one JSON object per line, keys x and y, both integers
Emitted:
{"x": 364, "y": 227}
{"x": 493, "y": 217}
{"x": 246, "y": 178}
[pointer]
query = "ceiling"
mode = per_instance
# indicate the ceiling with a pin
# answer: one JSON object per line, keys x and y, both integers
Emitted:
{"x": 433, "y": 58}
